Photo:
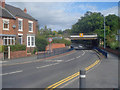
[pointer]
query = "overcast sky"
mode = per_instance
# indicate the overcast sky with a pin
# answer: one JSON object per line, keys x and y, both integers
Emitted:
{"x": 62, "y": 15}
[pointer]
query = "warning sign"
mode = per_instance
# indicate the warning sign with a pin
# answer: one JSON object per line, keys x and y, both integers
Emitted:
{"x": 81, "y": 34}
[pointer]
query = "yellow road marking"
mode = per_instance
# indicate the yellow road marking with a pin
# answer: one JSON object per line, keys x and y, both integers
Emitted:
{"x": 71, "y": 77}
{"x": 62, "y": 80}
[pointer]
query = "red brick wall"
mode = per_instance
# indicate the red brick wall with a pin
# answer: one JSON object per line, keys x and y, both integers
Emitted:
{"x": 111, "y": 50}
{"x": 11, "y": 30}
{"x": 1, "y": 26}
{"x": 26, "y": 29}
{"x": 15, "y": 31}
{"x": 17, "y": 54}
{"x": 56, "y": 45}
{"x": 1, "y": 56}
{"x": 1, "y": 41}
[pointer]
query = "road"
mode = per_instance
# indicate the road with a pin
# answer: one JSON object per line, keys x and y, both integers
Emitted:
{"x": 45, "y": 73}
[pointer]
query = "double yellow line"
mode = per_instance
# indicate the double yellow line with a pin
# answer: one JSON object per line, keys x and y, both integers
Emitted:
{"x": 92, "y": 65}
{"x": 70, "y": 77}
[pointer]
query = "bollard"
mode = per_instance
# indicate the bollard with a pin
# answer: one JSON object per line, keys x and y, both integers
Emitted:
{"x": 82, "y": 79}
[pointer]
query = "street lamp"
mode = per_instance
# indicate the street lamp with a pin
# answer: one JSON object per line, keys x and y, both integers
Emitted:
{"x": 104, "y": 33}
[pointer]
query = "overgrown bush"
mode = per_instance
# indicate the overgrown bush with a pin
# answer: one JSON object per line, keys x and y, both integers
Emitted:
{"x": 66, "y": 42}
{"x": 114, "y": 45}
{"x": 41, "y": 43}
{"x": 35, "y": 50}
{"x": 17, "y": 47}
{"x": 1, "y": 48}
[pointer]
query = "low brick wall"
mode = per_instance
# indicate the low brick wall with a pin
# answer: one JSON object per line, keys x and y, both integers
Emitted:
{"x": 56, "y": 45}
{"x": 111, "y": 50}
{"x": 17, "y": 54}
{"x": 1, "y": 56}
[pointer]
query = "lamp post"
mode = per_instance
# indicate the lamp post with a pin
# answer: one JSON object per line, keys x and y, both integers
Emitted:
{"x": 104, "y": 33}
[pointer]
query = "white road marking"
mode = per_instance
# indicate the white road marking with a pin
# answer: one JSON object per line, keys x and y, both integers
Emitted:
{"x": 83, "y": 52}
{"x": 12, "y": 72}
{"x": 3, "y": 61}
{"x": 70, "y": 60}
{"x": 76, "y": 57}
{"x": 47, "y": 65}
{"x": 53, "y": 60}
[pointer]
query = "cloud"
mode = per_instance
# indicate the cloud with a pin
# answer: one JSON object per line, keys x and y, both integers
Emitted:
{"x": 112, "y": 10}
{"x": 87, "y": 7}
{"x": 51, "y": 14}
{"x": 56, "y": 16}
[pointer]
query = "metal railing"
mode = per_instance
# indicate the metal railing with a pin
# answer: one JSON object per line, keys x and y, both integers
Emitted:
{"x": 54, "y": 52}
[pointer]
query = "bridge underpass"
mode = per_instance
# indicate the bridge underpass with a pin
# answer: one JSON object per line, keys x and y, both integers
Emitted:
{"x": 84, "y": 41}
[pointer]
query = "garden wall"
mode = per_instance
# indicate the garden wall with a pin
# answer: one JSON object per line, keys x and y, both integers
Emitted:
{"x": 56, "y": 45}
{"x": 111, "y": 50}
{"x": 18, "y": 54}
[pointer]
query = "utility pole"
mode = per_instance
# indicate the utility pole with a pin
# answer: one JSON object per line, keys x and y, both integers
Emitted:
{"x": 104, "y": 33}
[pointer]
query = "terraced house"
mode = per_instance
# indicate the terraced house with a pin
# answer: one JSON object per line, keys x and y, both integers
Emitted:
{"x": 16, "y": 26}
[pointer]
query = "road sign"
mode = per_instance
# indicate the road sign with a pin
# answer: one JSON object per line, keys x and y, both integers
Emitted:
{"x": 50, "y": 40}
{"x": 81, "y": 34}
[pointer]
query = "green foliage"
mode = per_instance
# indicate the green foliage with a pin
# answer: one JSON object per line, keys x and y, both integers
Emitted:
{"x": 114, "y": 45}
{"x": 35, "y": 50}
{"x": 17, "y": 47}
{"x": 93, "y": 22}
{"x": 66, "y": 42}
{"x": 1, "y": 48}
{"x": 41, "y": 43}
{"x": 89, "y": 23}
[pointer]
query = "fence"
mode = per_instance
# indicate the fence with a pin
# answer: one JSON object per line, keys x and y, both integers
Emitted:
{"x": 101, "y": 51}
{"x": 54, "y": 52}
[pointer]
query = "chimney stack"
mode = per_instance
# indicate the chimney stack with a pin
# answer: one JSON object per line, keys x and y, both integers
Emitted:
{"x": 2, "y": 3}
{"x": 25, "y": 10}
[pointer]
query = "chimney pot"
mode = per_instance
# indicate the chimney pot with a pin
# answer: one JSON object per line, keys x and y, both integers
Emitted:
{"x": 2, "y": 3}
{"x": 25, "y": 10}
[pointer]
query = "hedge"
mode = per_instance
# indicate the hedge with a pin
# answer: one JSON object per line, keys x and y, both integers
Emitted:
{"x": 17, "y": 47}
{"x": 41, "y": 43}
{"x": 66, "y": 42}
{"x": 13, "y": 48}
{"x": 1, "y": 48}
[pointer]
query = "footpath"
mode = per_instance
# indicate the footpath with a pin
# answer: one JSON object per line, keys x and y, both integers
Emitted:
{"x": 105, "y": 75}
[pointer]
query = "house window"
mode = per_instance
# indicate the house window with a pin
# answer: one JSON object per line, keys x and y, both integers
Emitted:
{"x": 9, "y": 40}
{"x": 20, "y": 39}
{"x": 30, "y": 41}
{"x": 20, "y": 24}
{"x": 30, "y": 23}
{"x": 5, "y": 24}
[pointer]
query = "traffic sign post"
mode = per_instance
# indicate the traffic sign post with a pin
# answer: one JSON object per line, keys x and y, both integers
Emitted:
{"x": 50, "y": 46}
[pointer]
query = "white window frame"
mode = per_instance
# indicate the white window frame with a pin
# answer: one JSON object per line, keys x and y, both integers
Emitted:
{"x": 32, "y": 25}
{"x": 31, "y": 41}
{"x": 9, "y": 38}
{"x": 6, "y": 20}
{"x": 19, "y": 19}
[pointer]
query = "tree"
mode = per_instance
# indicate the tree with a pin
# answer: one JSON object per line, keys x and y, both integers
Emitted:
{"x": 60, "y": 32}
{"x": 89, "y": 23}
{"x": 41, "y": 43}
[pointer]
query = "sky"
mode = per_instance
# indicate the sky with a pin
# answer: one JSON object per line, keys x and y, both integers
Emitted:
{"x": 62, "y": 15}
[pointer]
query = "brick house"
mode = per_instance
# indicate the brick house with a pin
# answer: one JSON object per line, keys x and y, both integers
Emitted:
{"x": 17, "y": 26}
